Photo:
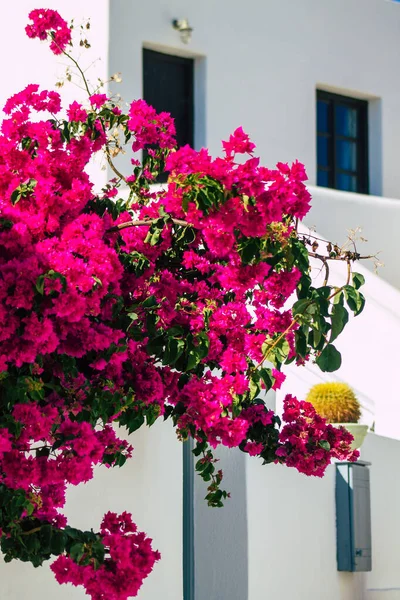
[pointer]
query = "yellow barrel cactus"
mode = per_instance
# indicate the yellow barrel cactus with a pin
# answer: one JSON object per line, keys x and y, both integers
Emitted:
{"x": 335, "y": 401}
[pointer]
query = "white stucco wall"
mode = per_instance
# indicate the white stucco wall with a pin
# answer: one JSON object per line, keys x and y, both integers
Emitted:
{"x": 259, "y": 64}
{"x": 276, "y": 536}
{"x": 333, "y": 213}
{"x": 30, "y": 61}
{"x": 369, "y": 348}
{"x": 292, "y": 535}
{"x": 383, "y": 583}
{"x": 150, "y": 487}
{"x": 26, "y": 61}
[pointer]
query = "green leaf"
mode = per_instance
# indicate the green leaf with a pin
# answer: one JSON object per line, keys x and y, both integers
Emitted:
{"x": 300, "y": 254}
{"x": 152, "y": 414}
{"x": 16, "y": 196}
{"x": 32, "y": 544}
{"x": 282, "y": 350}
{"x": 358, "y": 280}
{"x": 267, "y": 378}
{"x": 199, "y": 448}
{"x": 338, "y": 298}
{"x": 354, "y": 299}
{"x": 5, "y": 224}
{"x": 200, "y": 465}
{"x": 193, "y": 359}
{"x": 330, "y": 359}
{"x": 150, "y": 302}
{"x": 325, "y": 445}
{"x": 51, "y": 275}
{"x": 133, "y": 421}
{"x": 154, "y": 234}
{"x": 175, "y": 331}
{"x": 254, "y": 389}
{"x": 300, "y": 307}
{"x": 29, "y": 508}
{"x": 324, "y": 291}
{"x": 278, "y": 354}
{"x": 77, "y": 551}
{"x": 249, "y": 250}
{"x": 46, "y": 533}
{"x": 173, "y": 350}
{"x": 155, "y": 237}
{"x": 26, "y": 141}
{"x": 58, "y": 541}
{"x": 98, "y": 550}
{"x": 312, "y": 309}
{"x": 303, "y": 286}
{"x": 156, "y": 345}
{"x": 202, "y": 344}
{"x": 316, "y": 334}
{"x": 362, "y": 304}
{"x": 339, "y": 319}
{"x": 40, "y": 284}
{"x": 301, "y": 342}
{"x": 73, "y": 533}
{"x": 321, "y": 300}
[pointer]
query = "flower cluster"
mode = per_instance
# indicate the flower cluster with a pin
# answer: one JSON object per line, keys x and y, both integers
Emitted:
{"x": 149, "y": 127}
{"x": 308, "y": 442}
{"x": 47, "y": 22}
{"x": 50, "y": 452}
{"x": 183, "y": 302}
{"x": 129, "y": 560}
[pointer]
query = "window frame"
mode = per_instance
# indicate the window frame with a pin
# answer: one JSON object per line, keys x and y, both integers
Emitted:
{"x": 361, "y": 140}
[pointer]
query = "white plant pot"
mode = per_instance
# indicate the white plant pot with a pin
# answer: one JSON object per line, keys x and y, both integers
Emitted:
{"x": 357, "y": 431}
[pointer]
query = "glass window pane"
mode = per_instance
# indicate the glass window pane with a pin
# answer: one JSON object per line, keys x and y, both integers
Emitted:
{"x": 346, "y": 182}
{"x": 346, "y": 120}
{"x": 322, "y": 116}
{"x": 323, "y": 151}
{"x": 323, "y": 178}
{"x": 346, "y": 155}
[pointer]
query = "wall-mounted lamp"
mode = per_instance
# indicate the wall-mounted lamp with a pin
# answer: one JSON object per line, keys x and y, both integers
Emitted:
{"x": 185, "y": 31}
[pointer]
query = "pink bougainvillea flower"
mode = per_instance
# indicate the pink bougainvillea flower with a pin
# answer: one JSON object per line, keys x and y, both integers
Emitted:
{"x": 47, "y": 22}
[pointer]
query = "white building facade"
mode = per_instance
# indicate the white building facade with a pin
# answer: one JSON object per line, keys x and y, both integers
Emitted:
{"x": 264, "y": 65}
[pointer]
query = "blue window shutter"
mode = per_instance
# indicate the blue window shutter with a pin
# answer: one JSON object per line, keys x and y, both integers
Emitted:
{"x": 353, "y": 517}
{"x": 360, "y": 484}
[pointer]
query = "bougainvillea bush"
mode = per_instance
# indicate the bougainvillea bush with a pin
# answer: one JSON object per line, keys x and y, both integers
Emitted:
{"x": 135, "y": 303}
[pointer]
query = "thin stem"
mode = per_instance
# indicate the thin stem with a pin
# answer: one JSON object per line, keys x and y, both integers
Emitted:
{"x": 326, "y": 265}
{"x": 89, "y": 93}
{"x": 342, "y": 258}
{"x": 113, "y": 167}
{"x": 35, "y": 530}
{"x": 82, "y": 74}
{"x": 275, "y": 343}
{"x": 292, "y": 324}
{"x": 145, "y": 222}
{"x": 348, "y": 272}
{"x": 324, "y": 261}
